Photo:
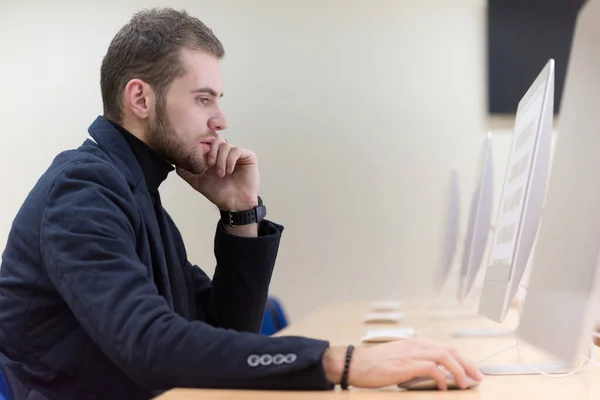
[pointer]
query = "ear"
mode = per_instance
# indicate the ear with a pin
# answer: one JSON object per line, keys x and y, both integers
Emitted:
{"x": 139, "y": 98}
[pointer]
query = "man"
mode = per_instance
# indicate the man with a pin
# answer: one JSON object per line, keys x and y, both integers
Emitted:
{"x": 97, "y": 297}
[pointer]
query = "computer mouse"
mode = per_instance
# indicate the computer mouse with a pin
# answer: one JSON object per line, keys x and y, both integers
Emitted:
{"x": 387, "y": 335}
{"x": 384, "y": 317}
{"x": 428, "y": 383}
{"x": 386, "y": 306}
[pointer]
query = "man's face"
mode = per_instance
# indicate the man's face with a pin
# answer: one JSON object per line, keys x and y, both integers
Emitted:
{"x": 187, "y": 119}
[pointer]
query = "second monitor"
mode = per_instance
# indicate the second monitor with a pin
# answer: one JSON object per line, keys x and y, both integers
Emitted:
{"x": 480, "y": 216}
{"x": 522, "y": 198}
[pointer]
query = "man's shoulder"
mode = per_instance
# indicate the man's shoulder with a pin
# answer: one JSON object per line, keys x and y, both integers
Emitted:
{"x": 83, "y": 180}
{"x": 85, "y": 163}
{"x": 78, "y": 177}
{"x": 84, "y": 169}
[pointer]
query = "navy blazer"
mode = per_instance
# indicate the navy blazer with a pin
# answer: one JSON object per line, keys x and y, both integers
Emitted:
{"x": 91, "y": 309}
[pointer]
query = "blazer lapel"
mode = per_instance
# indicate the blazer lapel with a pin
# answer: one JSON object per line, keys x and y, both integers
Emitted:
{"x": 110, "y": 140}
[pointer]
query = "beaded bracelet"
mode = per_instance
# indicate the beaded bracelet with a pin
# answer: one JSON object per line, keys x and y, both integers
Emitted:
{"x": 347, "y": 367}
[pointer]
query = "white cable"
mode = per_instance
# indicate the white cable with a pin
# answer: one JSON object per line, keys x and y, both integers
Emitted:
{"x": 496, "y": 353}
{"x": 584, "y": 362}
{"x": 591, "y": 357}
{"x": 591, "y": 361}
{"x": 576, "y": 370}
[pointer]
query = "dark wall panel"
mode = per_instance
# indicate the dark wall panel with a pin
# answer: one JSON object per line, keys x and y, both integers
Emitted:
{"x": 522, "y": 36}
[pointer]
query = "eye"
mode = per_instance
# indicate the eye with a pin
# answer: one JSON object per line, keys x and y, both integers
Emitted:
{"x": 203, "y": 100}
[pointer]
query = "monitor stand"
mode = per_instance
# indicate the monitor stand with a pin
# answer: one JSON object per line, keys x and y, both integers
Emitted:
{"x": 548, "y": 368}
{"x": 526, "y": 369}
{"x": 453, "y": 315}
{"x": 484, "y": 333}
{"x": 490, "y": 333}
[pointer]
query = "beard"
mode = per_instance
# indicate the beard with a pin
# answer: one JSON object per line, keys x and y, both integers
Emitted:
{"x": 167, "y": 141}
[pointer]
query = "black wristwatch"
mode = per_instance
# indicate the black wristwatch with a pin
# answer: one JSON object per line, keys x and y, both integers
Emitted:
{"x": 236, "y": 218}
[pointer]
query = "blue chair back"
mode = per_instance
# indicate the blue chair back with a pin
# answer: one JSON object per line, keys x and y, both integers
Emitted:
{"x": 4, "y": 389}
{"x": 275, "y": 318}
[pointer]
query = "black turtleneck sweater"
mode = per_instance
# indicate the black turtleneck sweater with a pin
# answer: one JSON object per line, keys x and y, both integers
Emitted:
{"x": 155, "y": 168}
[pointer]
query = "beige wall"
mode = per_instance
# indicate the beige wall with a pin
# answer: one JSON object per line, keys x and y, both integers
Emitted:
{"x": 356, "y": 109}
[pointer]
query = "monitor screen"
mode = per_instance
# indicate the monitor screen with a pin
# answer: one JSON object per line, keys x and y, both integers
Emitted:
{"x": 522, "y": 199}
{"x": 451, "y": 232}
{"x": 480, "y": 216}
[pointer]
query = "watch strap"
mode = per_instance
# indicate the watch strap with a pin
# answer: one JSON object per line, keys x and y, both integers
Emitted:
{"x": 236, "y": 218}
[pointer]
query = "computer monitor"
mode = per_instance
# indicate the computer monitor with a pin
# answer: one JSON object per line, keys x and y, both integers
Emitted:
{"x": 522, "y": 198}
{"x": 562, "y": 296}
{"x": 478, "y": 227}
{"x": 451, "y": 232}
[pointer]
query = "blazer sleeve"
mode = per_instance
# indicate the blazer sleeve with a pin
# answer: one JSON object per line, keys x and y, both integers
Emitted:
{"x": 88, "y": 249}
{"x": 237, "y": 295}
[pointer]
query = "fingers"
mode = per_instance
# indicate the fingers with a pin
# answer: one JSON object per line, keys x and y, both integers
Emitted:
{"x": 470, "y": 367}
{"x": 429, "y": 368}
{"x": 226, "y": 159}
{"x": 221, "y": 163}
{"x": 436, "y": 351}
{"x": 223, "y": 157}
{"x": 211, "y": 157}
{"x": 446, "y": 359}
{"x": 232, "y": 159}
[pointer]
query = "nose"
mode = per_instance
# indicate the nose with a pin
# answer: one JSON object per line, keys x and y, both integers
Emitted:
{"x": 218, "y": 122}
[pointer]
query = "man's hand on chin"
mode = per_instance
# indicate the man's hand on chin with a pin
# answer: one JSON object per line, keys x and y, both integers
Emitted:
{"x": 231, "y": 182}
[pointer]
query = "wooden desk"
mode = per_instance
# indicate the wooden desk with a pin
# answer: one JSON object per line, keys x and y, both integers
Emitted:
{"x": 341, "y": 324}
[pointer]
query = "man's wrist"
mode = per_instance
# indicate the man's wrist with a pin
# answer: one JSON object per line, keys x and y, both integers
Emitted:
{"x": 242, "y": 218}
{"x": 333, "y": 364}
{"x": 240, "y": 205}
{"x": 250, "y": 230}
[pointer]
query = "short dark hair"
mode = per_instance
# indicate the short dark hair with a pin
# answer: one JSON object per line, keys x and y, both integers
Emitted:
{"x": 148, "y": 47}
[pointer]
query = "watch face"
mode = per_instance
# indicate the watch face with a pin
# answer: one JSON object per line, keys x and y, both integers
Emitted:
{"x": 261, "y": 213}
